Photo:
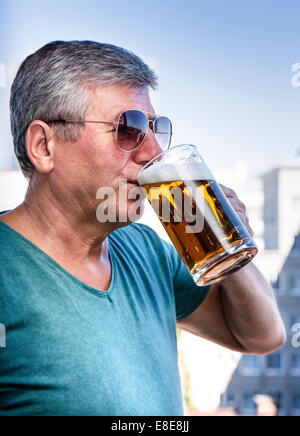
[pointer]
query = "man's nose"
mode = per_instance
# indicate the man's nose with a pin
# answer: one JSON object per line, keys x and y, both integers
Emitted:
{"x": 149, "y": 149}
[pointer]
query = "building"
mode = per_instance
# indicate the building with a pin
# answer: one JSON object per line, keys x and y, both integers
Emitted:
{"x": 282, "y": 206}
{"x": 276, "y": 374}
{"x": 281, "y": 216}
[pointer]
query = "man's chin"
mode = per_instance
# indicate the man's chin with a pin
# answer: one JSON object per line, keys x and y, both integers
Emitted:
{"x": 133, "y": 214}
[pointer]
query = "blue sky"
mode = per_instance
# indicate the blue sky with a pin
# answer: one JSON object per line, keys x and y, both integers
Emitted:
{"x": 224, "y": 66}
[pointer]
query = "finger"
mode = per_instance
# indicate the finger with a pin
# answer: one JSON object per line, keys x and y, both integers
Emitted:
{"x": 237, "y": 204}
{"x": 231, "y": 194}
{"x": 246, "y": 223}
{"x": 228, "y": 191}
{"x": 244, "y": 218}
{"x": 242, "y": 205}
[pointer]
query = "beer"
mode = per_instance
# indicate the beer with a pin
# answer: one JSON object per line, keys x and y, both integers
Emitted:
{"x": 200, "y": 221}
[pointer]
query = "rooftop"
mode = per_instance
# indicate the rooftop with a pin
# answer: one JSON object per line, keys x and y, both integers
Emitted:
{"x": 291, "y": 164}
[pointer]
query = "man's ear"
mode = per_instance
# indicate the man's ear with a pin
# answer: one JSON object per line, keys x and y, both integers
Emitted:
{"x": 39, "y": 146}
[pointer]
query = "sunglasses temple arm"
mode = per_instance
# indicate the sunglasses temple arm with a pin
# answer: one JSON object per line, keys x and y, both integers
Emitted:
{"x": 95, "y": 122}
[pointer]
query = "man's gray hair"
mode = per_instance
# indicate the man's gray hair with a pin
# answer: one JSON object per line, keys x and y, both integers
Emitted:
{"x": 53, "y": 84}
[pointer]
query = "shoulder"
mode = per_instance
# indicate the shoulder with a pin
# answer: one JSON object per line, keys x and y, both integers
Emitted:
{"x": 10, "y": 252}
{"x": 12, "y": 244}
{"x": 5, "y": 233}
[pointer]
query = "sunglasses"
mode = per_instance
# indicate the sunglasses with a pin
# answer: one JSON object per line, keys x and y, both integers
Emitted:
{"x": 132, "y": 128}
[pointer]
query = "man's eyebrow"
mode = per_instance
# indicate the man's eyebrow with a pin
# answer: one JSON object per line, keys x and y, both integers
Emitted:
{"x": 150, "y": 115}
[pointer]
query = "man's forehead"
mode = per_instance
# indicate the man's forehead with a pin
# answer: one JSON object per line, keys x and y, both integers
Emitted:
{"x": 114, "y": 100}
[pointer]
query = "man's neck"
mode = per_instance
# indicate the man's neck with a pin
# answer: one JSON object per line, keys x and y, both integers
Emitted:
{"x": 63, "y": 231}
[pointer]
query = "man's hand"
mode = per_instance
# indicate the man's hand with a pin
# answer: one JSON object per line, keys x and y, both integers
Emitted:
{"x": 238, "y": 206}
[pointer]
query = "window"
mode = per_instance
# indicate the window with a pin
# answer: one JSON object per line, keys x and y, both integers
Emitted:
{"x": 250, "y": 365}
{"x": 295, "y": 363}
{"x": 228, "y": 400}
{"x": 276, "y": 287}
{"x": 278, "y": 398}
{"x": 294, "y": 318}
{"x": 274, "y": 363}
{"x": 294, "y": 284}
{"x": 296, "y": 404}
{"x": 249, "y": 407}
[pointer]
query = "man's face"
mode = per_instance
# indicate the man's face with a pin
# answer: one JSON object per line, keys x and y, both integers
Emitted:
{"x": 95, "y": 161}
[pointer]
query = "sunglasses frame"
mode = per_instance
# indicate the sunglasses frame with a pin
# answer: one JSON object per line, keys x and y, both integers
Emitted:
{"x": 151, "y": 125}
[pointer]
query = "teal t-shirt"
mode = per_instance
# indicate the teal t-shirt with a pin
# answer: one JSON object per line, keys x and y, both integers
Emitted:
{"x": 75, "y": 350}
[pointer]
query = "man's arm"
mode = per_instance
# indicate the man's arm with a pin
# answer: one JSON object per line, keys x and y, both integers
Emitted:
{"x": 239, "y": 313}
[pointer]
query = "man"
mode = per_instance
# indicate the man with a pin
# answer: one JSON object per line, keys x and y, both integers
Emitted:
{"x": 90, "y": 307}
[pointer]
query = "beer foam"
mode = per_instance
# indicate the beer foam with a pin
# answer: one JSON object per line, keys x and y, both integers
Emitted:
{"x": 160, "y": 172}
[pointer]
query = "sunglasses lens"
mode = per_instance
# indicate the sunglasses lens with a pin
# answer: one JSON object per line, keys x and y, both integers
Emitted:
{"x": 132, "y": 129}
{"x": 163, "y": 132}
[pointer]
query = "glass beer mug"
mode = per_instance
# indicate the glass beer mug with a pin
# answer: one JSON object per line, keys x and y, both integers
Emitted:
{"x": 203, "y": 226}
